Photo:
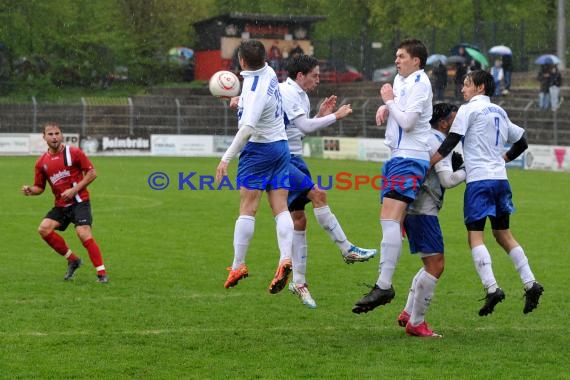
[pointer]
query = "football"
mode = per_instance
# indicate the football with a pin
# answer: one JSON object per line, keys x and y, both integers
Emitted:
{"x": 224, "y": 84}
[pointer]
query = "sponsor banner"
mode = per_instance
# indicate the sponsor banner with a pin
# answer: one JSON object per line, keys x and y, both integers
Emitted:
{"x": 373, "y": 150}
{"x": 39, "y": 146}
{"x": 222, "y": 143}
{"x": 313, "y": 147}
{"x": 182, "y": 145}
{"x": 90, "y": 145}
{"x": 346, "y": 148}
{"x": 124, "y": 143}
{"x": 547, "y": 157}
{"x": 340, "y": 148}
{"x": 517, "y": 162}
{"x": 15, "y": 143}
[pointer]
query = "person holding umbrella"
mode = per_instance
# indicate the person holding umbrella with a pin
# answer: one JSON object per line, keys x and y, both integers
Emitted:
{"x": 506, "y": 55}
{"x": 546, "y": 62}
{"x": 439, "y": 74}
{"x": 544, "y": 80}
{"x": 507, "y": 72}
{"x": 554, "y": 89}
{"x": 498, "y": 76}
{"x": 460, "y": 72}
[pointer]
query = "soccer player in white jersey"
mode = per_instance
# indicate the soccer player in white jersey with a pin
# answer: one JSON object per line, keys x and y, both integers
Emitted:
{"x": 423, "y": 229}
{"x": 303, "y": 72}
{"x": 485, "y": 129}
{"x": 408, "y": 110}
{"x": 263, "y": 163}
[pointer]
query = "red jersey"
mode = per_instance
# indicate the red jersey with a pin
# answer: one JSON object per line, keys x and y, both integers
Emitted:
{"x": 63, "y": 170}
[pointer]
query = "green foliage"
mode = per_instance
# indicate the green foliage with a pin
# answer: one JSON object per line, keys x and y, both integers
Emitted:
{"x": 166, "y": 315}
{"x": 81, "y": 42}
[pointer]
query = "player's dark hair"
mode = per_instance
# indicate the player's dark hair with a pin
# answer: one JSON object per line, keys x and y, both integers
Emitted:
{"x": 482, "y": 77}
{"x": 253, "y": 53}
{"x": 415, "y": 48}
{"x": 440, "y": 112}
{"x": 301, "y": 64}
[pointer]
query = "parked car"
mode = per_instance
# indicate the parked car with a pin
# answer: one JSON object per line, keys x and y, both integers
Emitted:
{"x": 385, "y": 75}
{"x": 338, "y": 72}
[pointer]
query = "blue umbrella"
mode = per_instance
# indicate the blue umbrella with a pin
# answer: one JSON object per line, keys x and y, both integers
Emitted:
{"x": 181, "y": 51}
{"x": 436, "y": 58}
{"x": 547, "y": 59}
{"x": 180, "y": 55}
{"x": 500, "y": 50}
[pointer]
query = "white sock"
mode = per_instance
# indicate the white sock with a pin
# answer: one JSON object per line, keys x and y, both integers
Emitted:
{"x": 425, "y": 286}
{"x": 243, "y": 232}
{"x": 410, "y": 301}
{"x": 329, "y": 223}
{"x": 521, "y": 265}
{"x": 299, "y": 257}
{"x": 390, "y": 251}
{"x": 483, "y": 265}
{"x": 284, "y": 227}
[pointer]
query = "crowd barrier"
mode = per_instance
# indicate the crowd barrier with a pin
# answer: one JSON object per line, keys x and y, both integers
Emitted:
{"x": 536, "y": 157}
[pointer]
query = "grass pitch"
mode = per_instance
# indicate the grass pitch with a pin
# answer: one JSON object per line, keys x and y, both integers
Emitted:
{"x": 166, "y": 315}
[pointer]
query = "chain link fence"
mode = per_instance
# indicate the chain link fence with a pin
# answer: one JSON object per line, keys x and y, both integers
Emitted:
{"x": 205, "y": 115}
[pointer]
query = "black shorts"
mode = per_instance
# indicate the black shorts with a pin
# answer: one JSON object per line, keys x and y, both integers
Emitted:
{"x": 298, "y": 204}
{"x": 497, "y": 223}
{"x": 79, "y": 214}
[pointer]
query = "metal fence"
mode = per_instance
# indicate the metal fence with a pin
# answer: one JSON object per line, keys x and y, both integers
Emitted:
{"x": 145, "y": 115}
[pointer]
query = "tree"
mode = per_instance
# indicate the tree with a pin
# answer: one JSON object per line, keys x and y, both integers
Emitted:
{"x": 154, "y": 26}
{"x": 79, "y": 42}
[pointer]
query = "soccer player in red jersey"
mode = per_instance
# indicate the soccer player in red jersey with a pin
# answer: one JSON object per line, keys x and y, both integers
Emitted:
{"x": 68, "y": 171}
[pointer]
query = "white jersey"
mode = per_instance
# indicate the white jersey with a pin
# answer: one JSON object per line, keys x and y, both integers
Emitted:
{"x": 411, "y": 94}
{"x": 260, "y": 105}
{"x": 486, "y": 129}
{"x": 430, "y": 197}
{"x": 295, "y": 103}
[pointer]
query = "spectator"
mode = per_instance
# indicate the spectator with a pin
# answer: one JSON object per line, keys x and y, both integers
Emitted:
{"x": 498, "y": 76}
{"x": 544, "y": 80}
{"x": 475, "y": 65}
{"x": 507, "y": 71}
{"x": 555, "y": 81}
{"x": 234, "y": 64}
{"x": 274, "y": 56}
{"x": 460, "y": 72}
{"x": 295, "y": 51}
{"x": 439, "y": 74}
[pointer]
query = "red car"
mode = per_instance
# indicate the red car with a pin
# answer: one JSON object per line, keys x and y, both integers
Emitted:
{"x": 338, "y": 72}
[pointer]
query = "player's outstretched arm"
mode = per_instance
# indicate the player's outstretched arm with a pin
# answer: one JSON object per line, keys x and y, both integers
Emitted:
{"x": 327, "y": 106}
{"x": 381, "y": 115}
{"x": 234, "y": 102}
{"x": 343, "y": 111}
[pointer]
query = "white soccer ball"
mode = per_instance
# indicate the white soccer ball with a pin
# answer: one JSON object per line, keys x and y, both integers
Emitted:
{"x": 224, "y": 84}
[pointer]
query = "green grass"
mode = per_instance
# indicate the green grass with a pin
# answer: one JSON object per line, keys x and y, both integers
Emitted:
{"x": 166, "y": 315}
